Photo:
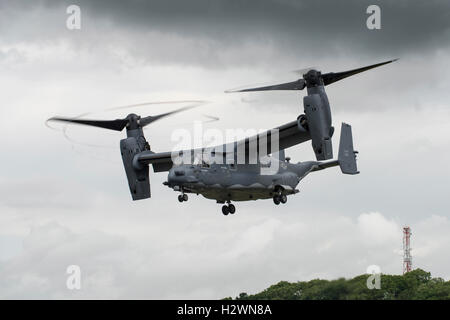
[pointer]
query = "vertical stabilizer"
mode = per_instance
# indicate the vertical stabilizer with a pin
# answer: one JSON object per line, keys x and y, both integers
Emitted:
{"x": 347, "y": 156}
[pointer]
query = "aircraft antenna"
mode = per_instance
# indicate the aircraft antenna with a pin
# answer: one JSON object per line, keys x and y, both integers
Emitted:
{"x": 407, "y": 259}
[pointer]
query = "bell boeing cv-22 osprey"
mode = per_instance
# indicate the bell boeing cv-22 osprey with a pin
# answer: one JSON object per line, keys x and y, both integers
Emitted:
{"x": 242, "y": 170}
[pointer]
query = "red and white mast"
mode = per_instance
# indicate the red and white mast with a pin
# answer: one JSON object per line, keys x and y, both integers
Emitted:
{"x": 407, "y": 259}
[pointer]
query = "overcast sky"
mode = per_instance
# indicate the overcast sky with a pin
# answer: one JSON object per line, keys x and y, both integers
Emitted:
{"x": 64, "y": 202}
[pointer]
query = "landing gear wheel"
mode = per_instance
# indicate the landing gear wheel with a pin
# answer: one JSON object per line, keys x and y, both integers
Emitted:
{"x": 283, "y": 198}
{"x": 180, "y": 198}
{"x": 185, "y": 197}
{"x": 231, "y": 208}
{"x": 225, "y": 210}
{"x": 276, "y": 200}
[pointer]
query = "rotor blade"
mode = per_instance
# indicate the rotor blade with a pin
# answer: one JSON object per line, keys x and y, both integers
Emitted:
{"x": 147, "y": 120}
{"x": 211, "y": 118}
{"x": 329, "y": 78}
{"x": 294, "y": 85}
{"x": 116, "y": 125}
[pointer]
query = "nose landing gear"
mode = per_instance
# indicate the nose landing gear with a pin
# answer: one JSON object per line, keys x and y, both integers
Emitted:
{"x": 183, "y": 197}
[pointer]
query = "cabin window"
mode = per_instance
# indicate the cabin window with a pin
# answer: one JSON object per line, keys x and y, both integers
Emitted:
{"x": 265, "y": 164}
{"x": 205, "y": 164}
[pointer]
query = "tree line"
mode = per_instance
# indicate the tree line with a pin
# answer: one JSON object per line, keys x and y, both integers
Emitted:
{"x": 416, "y": 284}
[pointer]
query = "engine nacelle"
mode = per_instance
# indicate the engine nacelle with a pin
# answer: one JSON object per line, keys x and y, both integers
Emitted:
{"x": 137, "y": 174}
{"x": 318, "y": 117}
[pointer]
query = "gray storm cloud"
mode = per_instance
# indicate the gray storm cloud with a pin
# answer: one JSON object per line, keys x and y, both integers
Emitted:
{"x": 299, "y": 29}
{"x": 408, "y": 26}
{"x": 65, "y": 204}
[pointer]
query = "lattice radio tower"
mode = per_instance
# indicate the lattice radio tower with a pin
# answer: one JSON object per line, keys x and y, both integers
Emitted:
{"x": 407, "y": 259}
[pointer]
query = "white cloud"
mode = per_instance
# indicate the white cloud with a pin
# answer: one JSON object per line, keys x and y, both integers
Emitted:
{"x": 376, "y": 230}
{"x": 177, "y": 261}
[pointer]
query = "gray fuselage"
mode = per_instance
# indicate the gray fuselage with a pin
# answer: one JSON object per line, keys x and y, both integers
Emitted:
{"x": 224, "y": 182}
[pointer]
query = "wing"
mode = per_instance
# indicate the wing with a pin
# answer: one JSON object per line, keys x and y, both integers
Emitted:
{"x": 289, "y": 135}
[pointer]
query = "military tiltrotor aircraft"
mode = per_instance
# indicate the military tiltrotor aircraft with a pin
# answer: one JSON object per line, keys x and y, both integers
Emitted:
{"x": 249, "y": 169}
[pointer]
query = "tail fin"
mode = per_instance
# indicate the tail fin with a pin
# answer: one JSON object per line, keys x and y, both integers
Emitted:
{"x": 347, "y": 156}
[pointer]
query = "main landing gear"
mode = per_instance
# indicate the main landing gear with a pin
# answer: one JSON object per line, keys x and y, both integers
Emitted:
{"x": 183, "y": 197}
{"x": 228, "y": 209}
{"x": 279, "y": 198}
